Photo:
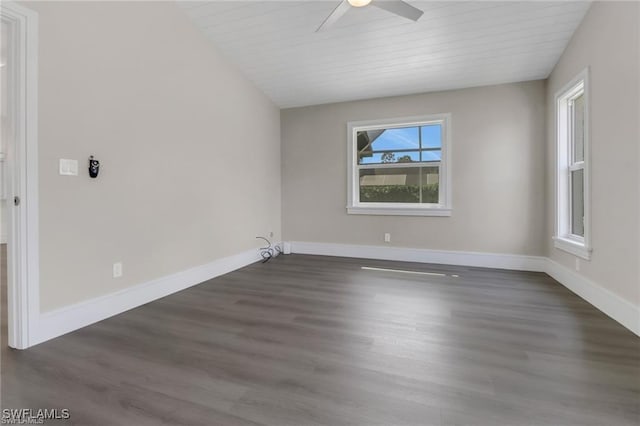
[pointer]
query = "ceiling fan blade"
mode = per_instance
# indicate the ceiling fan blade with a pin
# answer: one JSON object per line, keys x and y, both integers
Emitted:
{"x": 337, "y": 13}
{"x": 399, "y": 7}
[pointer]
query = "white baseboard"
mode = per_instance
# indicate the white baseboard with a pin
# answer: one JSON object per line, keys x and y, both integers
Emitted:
{"x": 486, "y": 260}
{"x": 610, "y": 303}
{"x": 61, "y": 321}
{"x": 56, "y": 323}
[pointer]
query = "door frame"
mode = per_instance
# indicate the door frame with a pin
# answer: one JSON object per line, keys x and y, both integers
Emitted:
{"x": 23, "y": 303}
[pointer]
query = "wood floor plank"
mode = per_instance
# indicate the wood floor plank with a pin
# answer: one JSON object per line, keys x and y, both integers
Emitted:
{"x": 306, "y": 340}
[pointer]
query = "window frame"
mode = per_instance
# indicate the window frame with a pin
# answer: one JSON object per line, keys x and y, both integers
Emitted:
{"x": 564, "y": 239}
{"x": 442, "y": 208}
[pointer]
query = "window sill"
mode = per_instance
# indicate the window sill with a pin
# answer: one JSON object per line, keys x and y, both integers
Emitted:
{"x": 400, "y": 211}
{"x": 572, "y": 247}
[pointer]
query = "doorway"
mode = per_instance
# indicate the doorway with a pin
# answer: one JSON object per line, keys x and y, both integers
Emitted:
{"x": 5, "y": 122}
{"x": 19, "y": 177}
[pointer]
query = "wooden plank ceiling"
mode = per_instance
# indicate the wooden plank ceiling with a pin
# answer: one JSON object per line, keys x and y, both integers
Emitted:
{"x": 372, "y": 53}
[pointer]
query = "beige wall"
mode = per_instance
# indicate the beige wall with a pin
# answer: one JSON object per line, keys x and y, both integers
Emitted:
{"x": 498, "y": 165}
{"x": 607, "y": 42}
{"x": 190, "y": 150}
{"x": 190, "y": 154}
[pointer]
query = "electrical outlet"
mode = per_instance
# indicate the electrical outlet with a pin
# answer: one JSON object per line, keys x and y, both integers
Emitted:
{"x": 117, "y": 270}
{"x": 387, "y": 237}
{"x": 271, "y": 234}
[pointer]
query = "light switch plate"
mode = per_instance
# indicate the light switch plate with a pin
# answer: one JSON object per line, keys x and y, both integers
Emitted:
{"x": 68, "y": 167}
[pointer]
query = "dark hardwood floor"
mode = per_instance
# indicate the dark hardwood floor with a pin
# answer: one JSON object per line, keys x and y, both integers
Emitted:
{"x": 306, "y": 340}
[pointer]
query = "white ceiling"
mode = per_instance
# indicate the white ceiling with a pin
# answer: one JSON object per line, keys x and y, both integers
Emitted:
{"x": 372, "y": 53}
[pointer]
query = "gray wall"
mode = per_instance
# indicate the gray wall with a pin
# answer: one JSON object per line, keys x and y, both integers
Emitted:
{"x": 608, "y": 42}
{"x": 190, "y": 149}
{"x": 498, "y": 136}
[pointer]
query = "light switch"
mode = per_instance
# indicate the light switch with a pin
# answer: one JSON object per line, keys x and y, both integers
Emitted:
{"x": 68, "y": 167}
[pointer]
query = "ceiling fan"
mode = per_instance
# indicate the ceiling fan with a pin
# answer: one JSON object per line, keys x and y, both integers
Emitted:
{"x": 398, "y": 7}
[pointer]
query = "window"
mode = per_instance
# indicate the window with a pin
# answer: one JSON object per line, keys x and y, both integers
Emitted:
{"x": 400, "y": 167}
{"x": 572, "y": 192}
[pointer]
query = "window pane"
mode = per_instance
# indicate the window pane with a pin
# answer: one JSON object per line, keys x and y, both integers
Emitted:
{"x": 396, "y": 139}
{"x": 430, "y": 184}
{"x": 577, "y": 202}
{"x": 399, "y": 185}
{"x": 431, "y": 136}
{"x": 390, "y": 185}
{"x": 578, "y": 129}
{"x": 389, "y": 157}
{"x": 431, "y": 155}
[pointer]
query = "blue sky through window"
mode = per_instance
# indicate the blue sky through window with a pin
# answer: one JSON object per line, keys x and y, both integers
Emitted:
{"x": 432, "y": 155}
{"x": 403, "y": 139}
{"x": 408, "y": 138}
{"x": 431, "y": 136}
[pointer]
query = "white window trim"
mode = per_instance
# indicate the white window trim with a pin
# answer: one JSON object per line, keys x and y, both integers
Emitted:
{"x": 443, "y": 208}
{"x": 563, "y": 239}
